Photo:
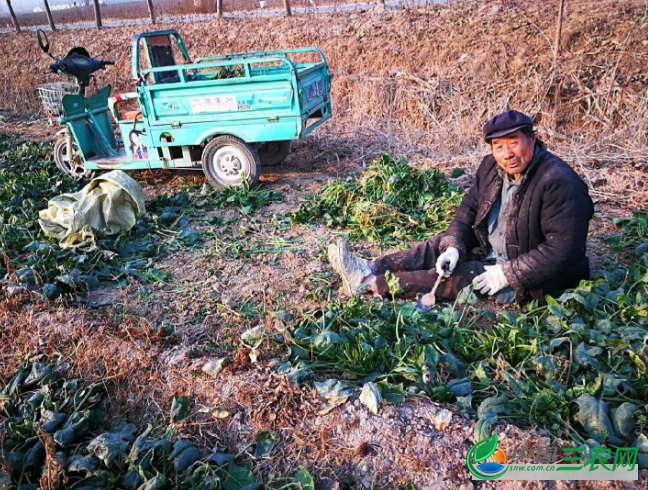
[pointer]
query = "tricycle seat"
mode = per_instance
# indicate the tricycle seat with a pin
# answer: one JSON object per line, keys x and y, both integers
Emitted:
{"x": 130, "y": 115}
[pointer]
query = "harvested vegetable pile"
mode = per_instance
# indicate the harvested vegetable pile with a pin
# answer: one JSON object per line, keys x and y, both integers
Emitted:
{"x": 575, "y": 367}
{"x": 390, "y": 203}
{"x": 245, "y": 198}
{"x": 48, "y": 436}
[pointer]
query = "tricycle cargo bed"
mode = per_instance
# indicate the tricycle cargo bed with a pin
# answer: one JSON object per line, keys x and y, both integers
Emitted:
{"x": 255, "y": 96}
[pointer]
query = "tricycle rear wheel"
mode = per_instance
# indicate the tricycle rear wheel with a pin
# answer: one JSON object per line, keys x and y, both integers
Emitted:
{"x": 69, "y": 162}
{"x": 230, "y": 162}
{"x": 273, "y": 152}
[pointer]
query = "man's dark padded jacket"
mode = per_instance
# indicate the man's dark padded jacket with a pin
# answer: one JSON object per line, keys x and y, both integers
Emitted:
{"x": 546, "y": 227}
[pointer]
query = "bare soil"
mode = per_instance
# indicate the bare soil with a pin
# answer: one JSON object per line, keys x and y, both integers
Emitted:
{"x": 401, "y": 84}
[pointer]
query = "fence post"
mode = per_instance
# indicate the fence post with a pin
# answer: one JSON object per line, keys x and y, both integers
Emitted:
{"x": 49, "y": 15}
{"x": 97, "y": 13}
{"x": 150, "y": 9}
{"x": 14, "y": 21}
{"x": 288, "y": 11}
{"x": 219, "y": 9}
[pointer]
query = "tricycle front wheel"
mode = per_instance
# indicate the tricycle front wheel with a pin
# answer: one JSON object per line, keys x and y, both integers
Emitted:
{"x": 273, "y": 152}
{"x": 230, "y": 162}
{"x": 69, "y": 161}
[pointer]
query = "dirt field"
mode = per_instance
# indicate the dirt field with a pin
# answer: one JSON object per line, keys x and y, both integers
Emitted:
{"x": 415, "y": 83}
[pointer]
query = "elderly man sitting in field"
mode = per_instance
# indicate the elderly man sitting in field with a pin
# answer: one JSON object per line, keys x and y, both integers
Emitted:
{"x": 519, "y": 233}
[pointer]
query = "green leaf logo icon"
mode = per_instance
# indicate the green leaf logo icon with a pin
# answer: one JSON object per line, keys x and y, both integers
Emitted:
{"x": 480, "y": 452}
{"x": 485, "y": 449}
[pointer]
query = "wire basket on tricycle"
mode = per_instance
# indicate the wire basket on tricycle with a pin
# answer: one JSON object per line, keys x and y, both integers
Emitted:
{"x": 51, "y": 96}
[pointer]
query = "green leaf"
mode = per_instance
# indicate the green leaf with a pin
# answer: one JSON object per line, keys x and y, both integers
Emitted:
{"x": 253, "y": 337}
{"x": 593, "y": 416}
{"x": 35, "y": 457}
{"x": 305, "y": 479}
{"x": 641, "y": 365}
{"x": 40, "y": 374}
{"x": 50, "y": 421}
{"x": 184, "y": 454}
{"x": 555, "y": 343}
{"x": 158, "y": 482}
{"x": 266, "y": 442}
{"x": 110, "y": 447}
{"x": 78, "y": 464}
{"x": 613, "y": 384}
{"x": 179, "y": 408}
{"x": 326, "y": 337}
{"x": 334, "y": 391}
{"x": 371, "y": 397}
{"x": 393, "y": 284}
{"x": 547, "y": 365}
{"x": 624, "y": 420}
{"x": 585, "y": 356}
{"x": 485, "y": 447}
{"x": 605, "y": 326}
{"x": 457, "y": 172}
{"x": 391, "y": 393}
{"x": 460, "y": 387}
{"x": 493, "y": 405}
{"x": 64, "y": 436}
{"x": 642, "y": 443}
{"x": 518, "y": 387}
{"x": 454, "y": 365}
{"x": 467, "y": 296}
{"x": 239, "y": 476}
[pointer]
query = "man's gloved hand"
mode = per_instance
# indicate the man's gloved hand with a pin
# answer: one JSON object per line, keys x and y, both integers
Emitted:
{"x": 447, "y": 261}
{"x": 491, "y": 281}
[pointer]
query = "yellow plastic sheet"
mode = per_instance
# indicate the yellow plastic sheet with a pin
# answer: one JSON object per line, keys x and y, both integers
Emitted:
{"x": 111, "y": 203}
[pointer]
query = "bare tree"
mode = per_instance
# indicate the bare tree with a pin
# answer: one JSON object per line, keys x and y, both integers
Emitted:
{"x": 561, "y": 11}
{"x": 97, "y": 12}
{"x": 49, "y": 15}
{"x": 13, "y": 16}
{"x": 150, "y": 9}
{"x": 219, "y": 9}
{"x": 287, "y": 5}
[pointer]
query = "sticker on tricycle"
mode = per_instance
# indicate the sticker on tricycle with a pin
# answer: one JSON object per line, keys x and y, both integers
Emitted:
{"x": 314, "y": 89}
{"x": 214, "y": 104}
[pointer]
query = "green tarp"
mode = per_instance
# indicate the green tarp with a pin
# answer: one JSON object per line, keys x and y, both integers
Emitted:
{"x": 111, "y": 203}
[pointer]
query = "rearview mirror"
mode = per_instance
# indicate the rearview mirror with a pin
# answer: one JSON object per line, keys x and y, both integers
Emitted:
{"x": 44, "y": 45}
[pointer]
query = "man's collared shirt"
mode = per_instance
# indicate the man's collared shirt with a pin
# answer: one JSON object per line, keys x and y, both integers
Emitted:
{"x": 497, "y": 218}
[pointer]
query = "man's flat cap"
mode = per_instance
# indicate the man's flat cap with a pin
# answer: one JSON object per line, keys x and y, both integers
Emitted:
{"x": 505, "y": 123}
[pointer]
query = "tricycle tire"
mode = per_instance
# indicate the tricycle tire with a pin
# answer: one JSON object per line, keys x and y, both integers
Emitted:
{"x": 273, "y": 152}
{"x": 63, "y": 162}
{"x": 230, "y": 162}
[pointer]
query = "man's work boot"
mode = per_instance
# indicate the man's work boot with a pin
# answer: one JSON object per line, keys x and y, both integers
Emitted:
{"x": 352, "y": 269}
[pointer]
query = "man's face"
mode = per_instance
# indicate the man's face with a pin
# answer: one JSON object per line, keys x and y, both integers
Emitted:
{"x": 513, "y": 152}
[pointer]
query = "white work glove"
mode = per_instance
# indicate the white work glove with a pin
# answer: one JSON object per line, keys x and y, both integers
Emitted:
{"x": 447, "y": 261}
{"x": 491, "y": 281}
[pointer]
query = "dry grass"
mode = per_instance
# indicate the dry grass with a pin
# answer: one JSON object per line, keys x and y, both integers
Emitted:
{"x": 427, "y": 79}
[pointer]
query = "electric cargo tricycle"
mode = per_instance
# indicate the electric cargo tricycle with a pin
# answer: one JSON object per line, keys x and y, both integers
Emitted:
{"x": 229, "y": 115}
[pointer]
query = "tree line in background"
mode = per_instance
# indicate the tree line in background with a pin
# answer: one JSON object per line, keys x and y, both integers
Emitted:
{"x": 97, "y": 12}
{"x": 219, "y": 14}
